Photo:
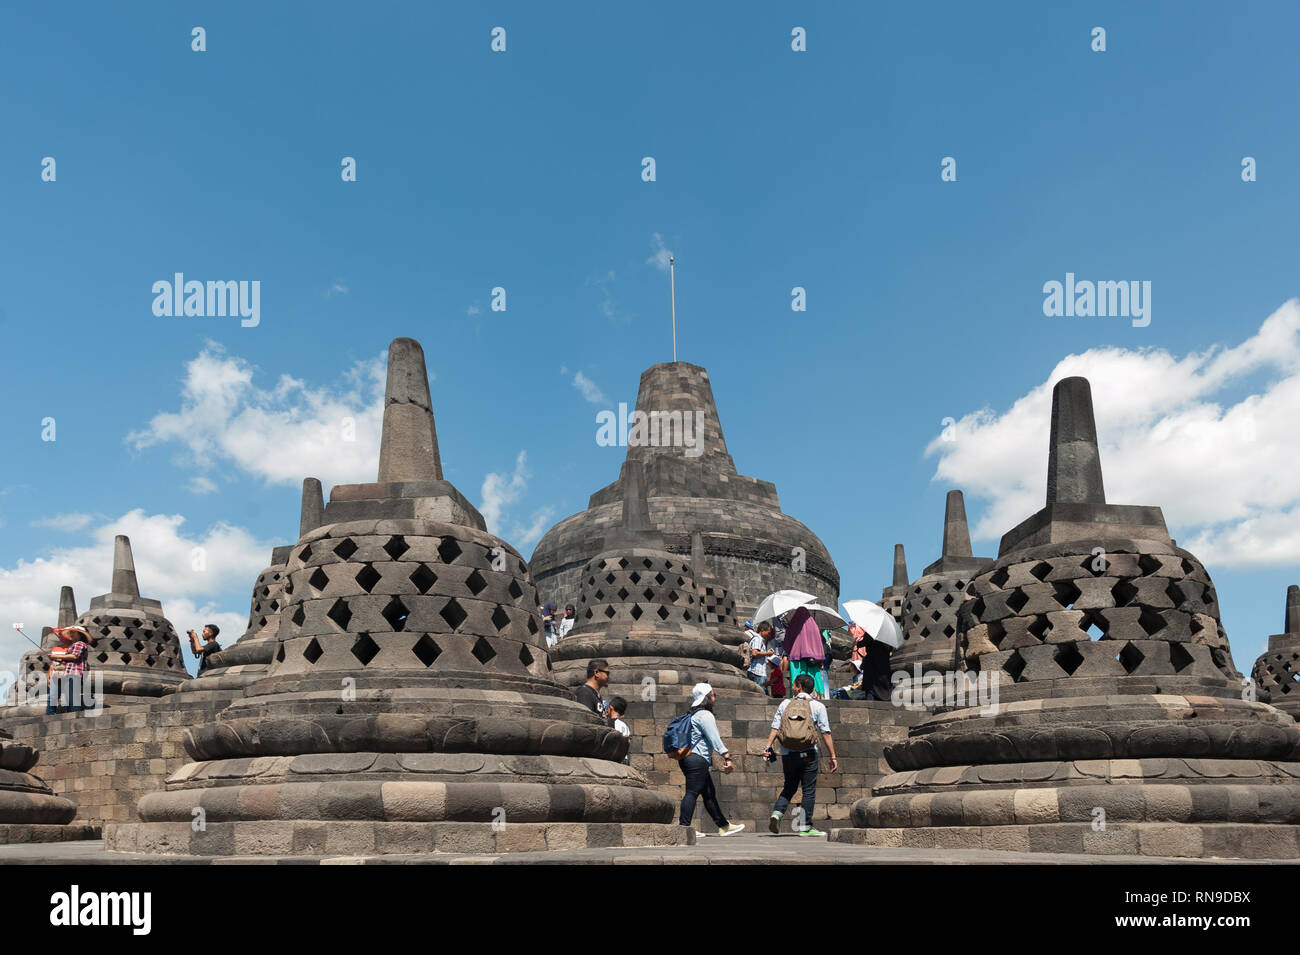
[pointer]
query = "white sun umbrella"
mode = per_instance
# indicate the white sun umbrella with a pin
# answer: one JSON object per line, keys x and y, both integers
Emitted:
{"x": 783, "y": 601}
{"x": 876, "y": 620}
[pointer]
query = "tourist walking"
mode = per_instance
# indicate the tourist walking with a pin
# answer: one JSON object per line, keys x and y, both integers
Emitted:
{"x": 795, "y": 728}
{"x": 704, "y": 741}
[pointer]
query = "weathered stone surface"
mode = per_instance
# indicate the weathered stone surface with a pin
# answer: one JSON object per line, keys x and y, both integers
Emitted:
{"x": 748, "y": 542}
{"x": 1277, "y": 671}
{"x": 408, "y": 651}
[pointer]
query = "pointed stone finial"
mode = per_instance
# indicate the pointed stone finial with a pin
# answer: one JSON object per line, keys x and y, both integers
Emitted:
{"x": 900, "y": 567}
{"x": 636, "y": 509}
{"x": 313, "y": 506}
{"x": 67, "y": 607}
{"x": 1292, "y": 609}
{"x": 1073, "y": 462}
{"x": 956, "y": 535}
{"x": 408, "y": 449}
{"x": 124, "y": 581}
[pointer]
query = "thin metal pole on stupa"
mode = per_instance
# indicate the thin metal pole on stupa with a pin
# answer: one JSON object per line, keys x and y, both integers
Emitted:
{"x": 672, "y": 284}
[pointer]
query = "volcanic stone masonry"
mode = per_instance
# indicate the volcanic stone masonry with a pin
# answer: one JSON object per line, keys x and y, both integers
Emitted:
{"x": 1120, "y": 725}
{"x": 749, "y": 544}
{"x": 639, "y": 609}
{"x": 930, "y": 609}
{"x": 29, "y": 812}
{"x": 1277, "y": 671}
{"x": 409, "y": 705}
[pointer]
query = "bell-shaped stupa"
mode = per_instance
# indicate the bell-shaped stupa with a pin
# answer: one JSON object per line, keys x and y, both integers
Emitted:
{"x": 639, "y": 609}
{"x": 1103, "y": 711}
{"x": 132, "y": 644}
{"x": 930, "y": 609}
{"x": 29, "y": 693}
{"x": 692, "y": 486}
{"x": 409, "y": 705}
{"x": 1277, "y": 671}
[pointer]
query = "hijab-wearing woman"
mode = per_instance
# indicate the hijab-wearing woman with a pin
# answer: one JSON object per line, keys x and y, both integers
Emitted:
{"x": 805, "y": 649}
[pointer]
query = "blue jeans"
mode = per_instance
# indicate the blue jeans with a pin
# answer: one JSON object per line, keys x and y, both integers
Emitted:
{"x": 699, "y": 782}
{"x": 760, "y": 679}
{"x": 800, "y": 770}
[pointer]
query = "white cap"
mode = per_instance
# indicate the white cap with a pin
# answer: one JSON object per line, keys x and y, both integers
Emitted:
{"x": 700, "y": 693}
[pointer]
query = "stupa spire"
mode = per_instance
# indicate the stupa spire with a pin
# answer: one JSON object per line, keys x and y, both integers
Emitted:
{"x": 408, "y": 448}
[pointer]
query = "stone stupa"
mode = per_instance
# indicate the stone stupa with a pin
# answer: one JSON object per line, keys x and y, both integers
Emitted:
{"x": 930, "y": 608}
{"x": 1277, "y": 671}
{"x": 29, "y": 693}
{"x": 752, "y": 547}
{"x": 247, "y": 660}
{"x": 894, "y": 596}
{"x": 409, "y": 706}
{"x": 1119, "y": 725}
{"x": 639, "y": 609}
{"x": 131, "y": 643}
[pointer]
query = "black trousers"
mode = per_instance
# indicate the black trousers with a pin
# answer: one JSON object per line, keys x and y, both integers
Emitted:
{"x": 800, "y": 770}
{"x": 699, "y": 782}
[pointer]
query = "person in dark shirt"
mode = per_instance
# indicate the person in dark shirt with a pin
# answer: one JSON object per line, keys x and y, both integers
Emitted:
{"x": 209, "y": 647}
{"x": 589, "y": 693}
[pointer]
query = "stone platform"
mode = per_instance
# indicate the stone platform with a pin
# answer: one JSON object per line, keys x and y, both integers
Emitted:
{"x": 746, "y": 848}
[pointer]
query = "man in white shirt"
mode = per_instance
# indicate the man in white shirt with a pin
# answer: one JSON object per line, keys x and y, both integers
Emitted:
{"x": 801, "y": 766}
{"x": 758, "y": 651}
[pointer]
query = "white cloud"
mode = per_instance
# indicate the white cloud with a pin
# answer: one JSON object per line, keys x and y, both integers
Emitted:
{"x": 65, "y": 522}
{"x": 280, "y": 434}
{"x": 201, "y": 485}
{"x": 338, "y": 288}
{"x": 502, "y": 490}
{"x": 658, "y": 257}
{"x": 1208, "y": 436}
{"x": 189, "y": 573}
{"x": 589, "y": 389}
{"x": 472, "y": 310}
{"x": 607, "y": 306}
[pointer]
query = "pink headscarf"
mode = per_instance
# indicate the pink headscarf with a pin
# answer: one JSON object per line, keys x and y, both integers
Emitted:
{"x": 803, "y": 640}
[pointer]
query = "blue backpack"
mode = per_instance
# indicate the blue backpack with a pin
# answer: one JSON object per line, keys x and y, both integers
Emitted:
{"x": 677, "y": 738}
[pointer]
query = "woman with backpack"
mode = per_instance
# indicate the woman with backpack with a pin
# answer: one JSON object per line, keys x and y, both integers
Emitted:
{"x": 698, "y": 731}
{"x": 796, "y": 726}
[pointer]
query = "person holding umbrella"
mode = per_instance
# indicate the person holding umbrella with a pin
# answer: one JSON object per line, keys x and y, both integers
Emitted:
{"x": 875, "y": 636}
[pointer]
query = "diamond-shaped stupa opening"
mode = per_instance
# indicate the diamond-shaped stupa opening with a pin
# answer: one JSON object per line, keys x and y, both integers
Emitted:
{"x": 364, "y": 648}
{"x": 345, "y": 548}
{"x": 449, "y": 550}
{"x": 454, "y": 614}
{"x": 396, "y": 547}
{"x": 367, "y": 577}
{"x": 426, "y": 650}
{"x": 483, "y": 651}
{"x": 475, "y": 582}
{"x": 395, "y": 612}
{"x": 423, "y": 578}
{"x": 312, "y": 652}
{"x": 340, "y": 614}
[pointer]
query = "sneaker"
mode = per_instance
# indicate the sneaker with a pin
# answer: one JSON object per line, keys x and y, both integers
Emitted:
{"x": 774, "y": 824}
{"x": 814, "y": 833}
{"x": 732, "y": 829}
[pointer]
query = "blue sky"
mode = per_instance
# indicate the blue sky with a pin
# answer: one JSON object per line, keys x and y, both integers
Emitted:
{"x": 522, "y": 170}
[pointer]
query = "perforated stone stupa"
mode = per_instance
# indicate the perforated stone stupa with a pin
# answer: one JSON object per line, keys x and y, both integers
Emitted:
{"x": 248, "y": 659}
{"x": 1277, "y": 671}
{"x": 749, "y": 544}
{"x": 1120, "y": 725}
{"x": 34, "y": 665}
{"x": 132, "y": 644}
{"x": 894, "y": 596}
{"x": 930, "y": 608}
{"x": 639, "y": 609}
{"x": 409, "y": 706}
